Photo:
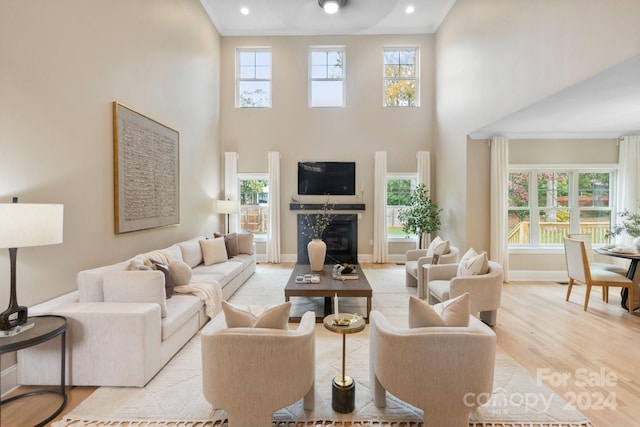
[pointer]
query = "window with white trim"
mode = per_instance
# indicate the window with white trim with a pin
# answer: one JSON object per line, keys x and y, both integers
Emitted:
{"x": 254, "y": 203}
{"x": 401, "y": 77}
{"x": 327, "y": 76}
{"x": 545, "y": 204}
{"x": 253, "y": 77}
{"x": 399, "y": 189}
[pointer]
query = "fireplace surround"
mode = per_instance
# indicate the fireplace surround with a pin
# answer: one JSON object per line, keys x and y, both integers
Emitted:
{"x": 341, "y": 237}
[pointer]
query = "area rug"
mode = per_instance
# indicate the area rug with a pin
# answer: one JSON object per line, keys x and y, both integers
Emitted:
{"x": 174, "y": 397}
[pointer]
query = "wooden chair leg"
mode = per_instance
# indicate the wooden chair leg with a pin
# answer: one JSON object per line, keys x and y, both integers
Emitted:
{"x": 586, "y": 297}
{"x": 630, "y": 300}
{"x": 605, "y": 294}
{"x": 569, "y": 289}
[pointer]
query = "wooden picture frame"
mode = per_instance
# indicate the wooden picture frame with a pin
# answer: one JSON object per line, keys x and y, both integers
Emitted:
{"x": 146, "y": 160}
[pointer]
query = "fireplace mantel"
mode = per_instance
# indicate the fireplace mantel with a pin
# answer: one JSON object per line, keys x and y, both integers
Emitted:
{"x": 319, "y": 206}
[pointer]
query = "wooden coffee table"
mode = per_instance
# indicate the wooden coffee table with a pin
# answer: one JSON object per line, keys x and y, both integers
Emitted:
{"x": 327, "y": 288}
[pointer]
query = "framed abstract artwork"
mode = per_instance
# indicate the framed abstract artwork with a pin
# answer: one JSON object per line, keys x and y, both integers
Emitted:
{"x": 146, "y": 157}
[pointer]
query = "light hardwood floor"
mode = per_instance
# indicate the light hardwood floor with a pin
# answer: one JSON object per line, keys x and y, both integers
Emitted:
{"x": 590, "y": 358}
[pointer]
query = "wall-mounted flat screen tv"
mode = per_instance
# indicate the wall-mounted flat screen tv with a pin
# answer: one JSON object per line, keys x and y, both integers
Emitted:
{"x": 332, "y": 178}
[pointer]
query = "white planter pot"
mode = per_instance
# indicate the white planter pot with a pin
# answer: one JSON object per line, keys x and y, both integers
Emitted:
{"x": 636, "y": 243}
{"x": 317, "y": 250}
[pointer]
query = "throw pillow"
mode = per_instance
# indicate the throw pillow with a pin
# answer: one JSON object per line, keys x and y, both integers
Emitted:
{"x": 181, "y": 272}
{"x": 438, "y": 247}
{"x": 214, "y": 251}
{"x": 454, "y": 312}
{"x": 276, "y": 317}
{"x": 245, "y": 243}
{"x": 169, "y": 282}
{"x": 231, "y": 243}
{"x": 135, "y": 286}
{"x": 478, "y": 264}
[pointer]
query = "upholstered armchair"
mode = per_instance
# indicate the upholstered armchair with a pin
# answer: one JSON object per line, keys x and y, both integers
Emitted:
{"x": 442, "y": 282}
{"x": 443, "y": 370}
{"x": 252, "y": 372}
{"x": 416, "y": 258}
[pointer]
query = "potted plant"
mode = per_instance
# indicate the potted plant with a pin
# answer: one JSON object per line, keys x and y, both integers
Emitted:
{"x": 315, "y": 224}
{"x": 630, "y": 225}
{"x": 422, "y": 216}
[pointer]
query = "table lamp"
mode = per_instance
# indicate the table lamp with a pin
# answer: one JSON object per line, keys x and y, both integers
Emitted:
{"x": 227, "y": 207}
{"x": 23, "y": 225}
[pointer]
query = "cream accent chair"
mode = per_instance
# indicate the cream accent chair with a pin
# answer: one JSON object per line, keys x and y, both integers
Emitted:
{"x": 485, "y": 290}
{"x": 442, "y": 370}
{"x": 416, "y": 258}
{"x": 253, "y": 372}
{"x": 579, "y": 271}
{"x": 586, "y": 238}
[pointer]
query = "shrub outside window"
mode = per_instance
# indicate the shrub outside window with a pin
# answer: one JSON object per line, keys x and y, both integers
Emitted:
{"x": 401, "y": 73}
{"x": 546, "y": 205}
{"x": 253, "y": 78}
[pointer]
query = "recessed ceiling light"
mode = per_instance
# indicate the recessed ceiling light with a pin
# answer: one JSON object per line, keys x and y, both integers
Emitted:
{"x": 410, "y": 9}
{"x": 244, "y": 10}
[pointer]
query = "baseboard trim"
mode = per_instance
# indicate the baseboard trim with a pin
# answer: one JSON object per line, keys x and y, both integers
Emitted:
{"x": 538, "y": 276}
{"x": 9, "y": 379}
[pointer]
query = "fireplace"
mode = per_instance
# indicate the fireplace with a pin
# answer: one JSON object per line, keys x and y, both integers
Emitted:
{"x": 341, "y": 237}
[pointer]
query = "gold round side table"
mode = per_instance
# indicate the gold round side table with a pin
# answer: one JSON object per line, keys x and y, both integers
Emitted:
{"x": 343, "y": 388}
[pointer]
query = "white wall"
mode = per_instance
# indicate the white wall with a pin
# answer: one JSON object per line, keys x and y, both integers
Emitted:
{"x": 495, "y": 57}
{"x": 62, "y": 65}
{"x": 353, "y": 133}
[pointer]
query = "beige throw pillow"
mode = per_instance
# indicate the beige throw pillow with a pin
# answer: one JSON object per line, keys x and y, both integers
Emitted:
{"x": 181, "y": 272}
{"x": 214, "y": 251}
{"x": 473, "y": 264}
{"x": 454, "y": 312}
{"x": 276, "y": 317}
{"x": 245, "y": 243}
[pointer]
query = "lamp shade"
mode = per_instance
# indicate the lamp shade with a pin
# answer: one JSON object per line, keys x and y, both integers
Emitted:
{"x": 28, "y": 224}
{"x": 227, "y": 206}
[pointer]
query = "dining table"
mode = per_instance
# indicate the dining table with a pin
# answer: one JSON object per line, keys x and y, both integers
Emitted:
{"x": 629, "y": 253}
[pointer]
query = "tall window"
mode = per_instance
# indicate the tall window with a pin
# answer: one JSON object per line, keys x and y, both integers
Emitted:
{"x": 399, "y": 188}
{"x": 546, "y": 205}
{"x": 253, "y": 77}
{"x": 254, "y": 203}
{"x": 401, "y": 74}
{"x": 326, "y": 76}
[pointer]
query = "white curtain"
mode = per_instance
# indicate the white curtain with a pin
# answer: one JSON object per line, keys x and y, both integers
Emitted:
{"x": 628, "y": 188}
{"x": 231, "y": 185}
{"x": 273, "y": 232}
{"x": 424, "y": 171}
{"x": 380, "y": 249}
{"x": 499, "y": 247}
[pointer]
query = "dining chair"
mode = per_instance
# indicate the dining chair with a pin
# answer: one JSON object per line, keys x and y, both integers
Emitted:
{"x": 579, "y": 271}
{"x": 586, "y": 238}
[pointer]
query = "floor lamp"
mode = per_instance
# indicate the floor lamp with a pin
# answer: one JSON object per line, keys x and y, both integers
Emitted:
{"x": 227, "y": 207}
{"x": 23, "y": 225}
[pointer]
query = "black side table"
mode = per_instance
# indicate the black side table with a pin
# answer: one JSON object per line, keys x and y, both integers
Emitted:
{"x": 44, "y": 328}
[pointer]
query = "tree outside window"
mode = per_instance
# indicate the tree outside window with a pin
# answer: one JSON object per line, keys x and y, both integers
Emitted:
{"x": 401, "y": 77}
{"x": 253, "y": 78}
{"x": 399, "y": 189}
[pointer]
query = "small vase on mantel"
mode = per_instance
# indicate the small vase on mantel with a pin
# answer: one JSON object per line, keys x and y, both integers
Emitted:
{"x": 317, "y": 250}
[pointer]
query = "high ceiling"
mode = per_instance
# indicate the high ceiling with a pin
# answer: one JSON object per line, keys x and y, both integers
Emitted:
{"x": 305, "y": 17}
{"x": 605, "y": 106}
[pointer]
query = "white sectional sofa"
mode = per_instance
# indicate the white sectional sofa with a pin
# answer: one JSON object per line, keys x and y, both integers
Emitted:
{"x": 121, "y": 329}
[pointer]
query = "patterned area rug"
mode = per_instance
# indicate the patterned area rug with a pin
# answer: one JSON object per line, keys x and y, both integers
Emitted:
{"x": 174, "y": 397}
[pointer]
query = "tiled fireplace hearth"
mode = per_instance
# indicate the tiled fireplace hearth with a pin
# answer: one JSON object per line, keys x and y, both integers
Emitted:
{"x": 341, "y": 237}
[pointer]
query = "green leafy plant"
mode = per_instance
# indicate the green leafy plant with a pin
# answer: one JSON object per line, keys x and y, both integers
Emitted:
{"x": 315, "y": 224}
{"x": 630, "y": 225}
{"x": 421, "y": 216}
